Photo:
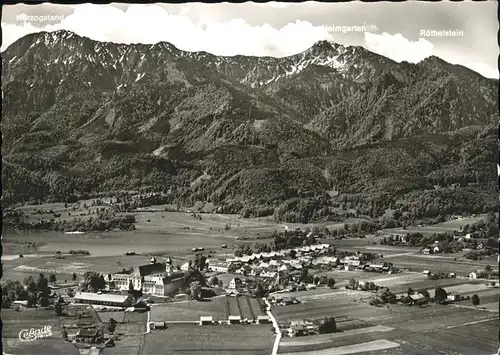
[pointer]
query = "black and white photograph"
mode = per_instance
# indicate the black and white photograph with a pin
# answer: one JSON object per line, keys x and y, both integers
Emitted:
{"x": 253, "y": 178}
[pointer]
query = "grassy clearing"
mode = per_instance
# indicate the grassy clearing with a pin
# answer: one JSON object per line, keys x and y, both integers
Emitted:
{"x": 448, "y": 226}
{"x": 220, "y": 339}
{"x": 169, "y": 233}
{"x": 39, "y": 347}
{"x": 15, "y": 321}
{"x": 106, "y": 316}
{"x": 219, "y": 308}
{"x": 435, "y": 264}
{"x": 189, "y": 311}
{"x": 333, "y": 307}
{"x": 130, "y": 329}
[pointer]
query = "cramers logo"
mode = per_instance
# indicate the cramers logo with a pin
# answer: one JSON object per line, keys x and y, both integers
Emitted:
{"x": 33, "y": 334}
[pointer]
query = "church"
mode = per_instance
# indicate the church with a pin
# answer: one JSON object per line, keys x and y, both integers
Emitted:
{"x": 155, "y": 278}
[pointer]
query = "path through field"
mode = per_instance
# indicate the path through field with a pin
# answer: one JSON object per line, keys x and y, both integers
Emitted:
{"x": 371, "y": 346}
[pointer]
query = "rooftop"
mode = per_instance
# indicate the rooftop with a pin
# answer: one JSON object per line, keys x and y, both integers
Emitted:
{"x": 84, "y": 332}
{"x": 89, "y": 296}
{"x": 148, "y": 269}
{"x": 212, "y": 262}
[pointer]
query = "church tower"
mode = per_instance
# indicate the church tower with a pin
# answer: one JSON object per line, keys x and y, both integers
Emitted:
{"x": 169, "y": 267}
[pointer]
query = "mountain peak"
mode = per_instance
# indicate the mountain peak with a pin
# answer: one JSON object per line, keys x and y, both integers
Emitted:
{"x": 325, "y": 46}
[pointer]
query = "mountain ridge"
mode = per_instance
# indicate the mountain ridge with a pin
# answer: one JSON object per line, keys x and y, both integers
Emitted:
{"x": 179, "y": 115}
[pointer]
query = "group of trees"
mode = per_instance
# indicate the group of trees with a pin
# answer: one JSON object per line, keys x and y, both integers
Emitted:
{"x": 100, "y": 223}
{"x": 200, "y": 262}
{"x": 93, "y": 281}
{"x": 485, "y": 227}
{"x": 281, "y": 240}
{"x": 111, "y": 325}
{"x": 292, "y": 239}
{"x": 195, "y": 279}
{"x": 447, "y": 243}
{"x": 479, "y": 254}
{"x": 13, "y": 291}
{"x": 328, "y": 325}
{"x": 440, "y": 296}
{"x": 34, "y": 292}
{"x": 243, "y": 249}
{"x": 383, "y": 296}
{"x": 79, "y": 252}
{"x": 362, "y": 286}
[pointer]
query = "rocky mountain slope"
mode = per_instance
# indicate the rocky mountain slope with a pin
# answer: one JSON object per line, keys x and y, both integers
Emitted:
{"x": 82, "y": 117}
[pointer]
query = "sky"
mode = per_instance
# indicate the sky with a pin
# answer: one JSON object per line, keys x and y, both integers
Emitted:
{"x": 458, "y": 32}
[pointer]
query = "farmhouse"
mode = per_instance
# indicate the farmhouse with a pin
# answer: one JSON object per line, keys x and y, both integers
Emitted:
{"x": 269, "y": 274}
{"x": 263, "y": 320}
{"x": 103, "y": 299}
{"x": 159, "y": 325}
{"x": 234, "y": 319}
{"x": 220, "y": 266}
{"x": 416, "y": 297}
{"x": 283, "y": 268}
{"x": 206, "y": 320}
{"x": 473, "y": 275}
{"x": 286, "y": 301}
{"x": 235, "y": 283}
{"x": 264, "y": 265}
{"x": 296, "y": 330}
{"x": 244, "y": 270}
{"x": 255, "y": 271}
{"x": 375, "y": 267}
{"x": 88, "y": 335}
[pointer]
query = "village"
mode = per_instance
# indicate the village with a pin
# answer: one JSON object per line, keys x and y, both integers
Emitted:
{"x": 284, "y": 289}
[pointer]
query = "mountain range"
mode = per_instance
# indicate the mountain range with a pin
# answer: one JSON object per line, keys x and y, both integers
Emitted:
{"x": 334, "y": 126}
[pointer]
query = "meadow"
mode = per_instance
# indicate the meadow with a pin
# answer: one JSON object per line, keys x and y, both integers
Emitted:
{"x": 444, "y": 227}
{"x": 210, "y": 340}
{"x": 220, "y": 308}
{"x": 15, "y": 321}
{"x": 413, "y": 330}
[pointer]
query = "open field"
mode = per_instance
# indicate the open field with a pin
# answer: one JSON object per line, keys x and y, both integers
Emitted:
{"x": 130, "y": 330}
{"x": 212, "y": 340}
{"x": 327, "y": 338}
{"x": 448, "y": 226}
{"x": 166, "y": 232}
{"x": 371, "y": 346}
{"x": 227, "y": 277}
{"x": 428, "y": 284}
{"x": 219, "y": 308}
{"x": 10, "y": 274}
{"x": 189, "y": 310}
{"x": 430, "y": 329}
{"x": 39, "y": 347}
{"x": 16, "y": 249}
{"x": 77, "y": 264}
{"x": 437, "y": 264}
{"x": 330, "y": 307}
{"x": 14, "y": 322}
